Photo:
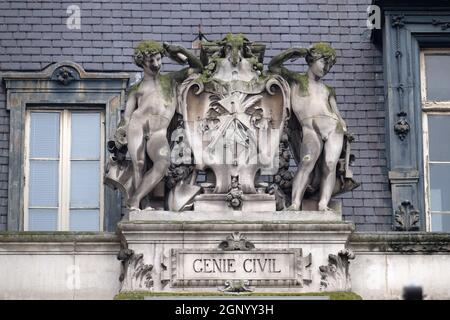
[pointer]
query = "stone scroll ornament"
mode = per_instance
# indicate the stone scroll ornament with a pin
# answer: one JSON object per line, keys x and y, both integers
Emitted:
{"x": 231, "y": 121}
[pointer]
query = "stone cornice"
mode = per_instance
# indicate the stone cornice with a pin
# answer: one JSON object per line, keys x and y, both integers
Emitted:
{"x": 400, "y": 243}
{"x": 59, "y": 237}
{"x": 262, "y": 226}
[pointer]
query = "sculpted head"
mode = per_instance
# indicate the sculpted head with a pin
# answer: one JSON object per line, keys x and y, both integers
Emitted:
{"x": 320, "y": 58}
{"x": 148, "y": 55}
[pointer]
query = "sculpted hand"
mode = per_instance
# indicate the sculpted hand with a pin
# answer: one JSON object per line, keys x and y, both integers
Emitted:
{"x": 298, "y": 53}
{"x": 167, "y": 47}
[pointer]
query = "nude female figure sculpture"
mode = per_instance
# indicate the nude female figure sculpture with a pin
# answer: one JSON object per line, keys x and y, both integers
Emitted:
{"x": 314, "y": 105}
{"x": 149, "y": 109}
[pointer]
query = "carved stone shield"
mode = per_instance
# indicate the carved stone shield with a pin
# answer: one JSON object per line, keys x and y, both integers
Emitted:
{"x": 234, "y": 127}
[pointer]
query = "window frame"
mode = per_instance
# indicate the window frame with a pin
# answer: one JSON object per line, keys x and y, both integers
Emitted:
{"x": 429, "y": 108}
{"x": 63, "y": 84}
{"x": 64, "y": 169}
{"x": 407, "y": 28}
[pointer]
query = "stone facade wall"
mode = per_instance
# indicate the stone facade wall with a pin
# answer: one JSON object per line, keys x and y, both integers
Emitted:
{"x": 68, "y": 266}
{"x": 34, "y": 34}
{"x": 59, "y": 266}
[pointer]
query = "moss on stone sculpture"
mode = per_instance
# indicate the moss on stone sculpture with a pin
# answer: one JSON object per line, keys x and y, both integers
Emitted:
{"x": 323, "y": 49}
{"x": 145, "y": 49}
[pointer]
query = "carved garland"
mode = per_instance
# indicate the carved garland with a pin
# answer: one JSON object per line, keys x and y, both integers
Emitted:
{"x": 401, "y": 127}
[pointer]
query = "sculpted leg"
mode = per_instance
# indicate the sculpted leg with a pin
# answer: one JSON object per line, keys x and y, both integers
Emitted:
{"x": 310, "y": 151}
{"x": 136, "y": 148}
{"x": 332, "y": 151}
{"x": 158, "y": 151}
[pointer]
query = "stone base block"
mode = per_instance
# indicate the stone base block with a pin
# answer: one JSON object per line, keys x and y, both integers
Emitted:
{"x": 234, "y": 216}
{"x": 245, "y": 252}
{"x": 250, "y": 202}
{"x": 313, "y": 205}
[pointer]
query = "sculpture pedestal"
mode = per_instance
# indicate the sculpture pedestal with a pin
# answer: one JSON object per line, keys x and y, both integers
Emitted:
{"x": 250, "y": 202}
{"x": 234, "y": 252}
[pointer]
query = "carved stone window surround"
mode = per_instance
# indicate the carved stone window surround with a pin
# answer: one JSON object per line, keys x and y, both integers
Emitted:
{"x": 67, "y": 85}
{"x": 408, "y": 27}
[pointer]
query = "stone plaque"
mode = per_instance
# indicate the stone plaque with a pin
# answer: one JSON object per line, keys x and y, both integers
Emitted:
{"x": 197, "y": 267}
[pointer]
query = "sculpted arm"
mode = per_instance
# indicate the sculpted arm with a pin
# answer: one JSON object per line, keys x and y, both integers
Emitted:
{"x": 276, "y": 64}
{"x": 130, "y": 107}
{"x": 181, "y": 55}
{"x": 121, "y": 132}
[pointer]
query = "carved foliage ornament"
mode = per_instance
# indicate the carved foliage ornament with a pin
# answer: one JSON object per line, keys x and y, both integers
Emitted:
{"x": 135, "y": 273}
{"x": 444, "y": 24}
{"x": 402, "y": 126}
{"x": 406, "y": 217}
{"x": 236, "y": 241}
{"x": 335, "y": 276}
{"x": 236, "y": 286}
{"x": 64, "y": 75}
{"x": 400, "y": 21}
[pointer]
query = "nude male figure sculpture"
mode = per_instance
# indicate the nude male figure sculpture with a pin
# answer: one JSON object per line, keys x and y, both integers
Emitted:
{"x": 314, "y": 105}
{"x": 149, "y": 109}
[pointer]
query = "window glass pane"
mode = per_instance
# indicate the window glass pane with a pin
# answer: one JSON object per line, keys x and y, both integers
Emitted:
{"x": 440, "y": 187}
{"x": 439, "y": 133}
{"x": 42, "y": 219}
{"x": 84, "y": 184}
{"x": 438, "y": 77}
{"x": 85, "y": 135}
{"x": 84, "y": 220}
{"x": 44, "y": 135}
{"x": 440, "y": 222}
{"x": 43, "y": 186}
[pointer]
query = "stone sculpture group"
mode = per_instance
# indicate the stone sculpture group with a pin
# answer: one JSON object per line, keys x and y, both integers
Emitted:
{"x": 228, "y": 120}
